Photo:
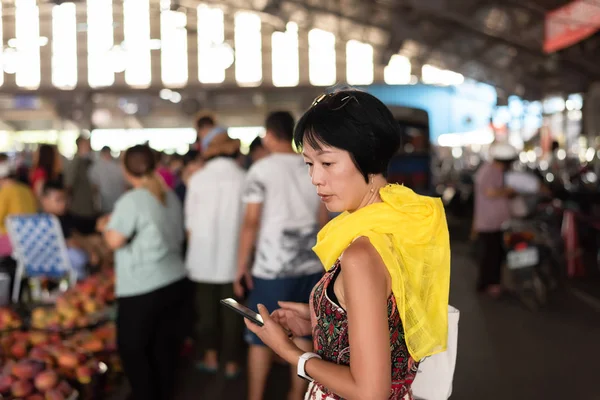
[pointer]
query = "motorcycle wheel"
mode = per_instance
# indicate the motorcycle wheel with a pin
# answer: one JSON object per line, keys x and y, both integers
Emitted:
{"x": 540, "y": 289}
{"x": 533, "y": 292}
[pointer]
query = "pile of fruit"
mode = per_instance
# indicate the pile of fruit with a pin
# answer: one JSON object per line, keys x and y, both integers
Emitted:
{"x": 40, "y": 359}
{"x": 16, "y": 345}
{"x": 100, "y": 287}
{"x": 32, "y": 380}
{"x": 79, "y": 307}
{"x": 9, "y": 320}
{"x": 53, "y": 360}
{"x": 101, "y": 339}
{"x": 102, "y": 343}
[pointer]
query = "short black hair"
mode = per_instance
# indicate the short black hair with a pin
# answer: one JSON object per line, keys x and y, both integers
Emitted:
{"x": 81, "y": 139}
{"x": 105, "y": 149}
{"x": 205, "y": 122}
{"x": 354, "y": 121}
{"x": 52, "y": 185}
{"x": 3, "y": 157}
{"x": 281, "y": 123}
{"x": 256, "y": 143}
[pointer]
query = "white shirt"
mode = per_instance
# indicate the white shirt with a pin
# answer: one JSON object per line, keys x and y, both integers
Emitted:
{"x": 213, "y": 215}
{"x": 289, "y": 219}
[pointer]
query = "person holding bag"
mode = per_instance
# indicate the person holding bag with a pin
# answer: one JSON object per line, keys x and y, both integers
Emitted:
{"x": 382, "y": 305}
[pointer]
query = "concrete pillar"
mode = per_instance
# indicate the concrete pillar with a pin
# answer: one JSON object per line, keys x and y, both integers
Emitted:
{"x": 340, "y": 65}
{"x": 267, "y": 55}
{"x": 192, "y": 45}
{"x": 8, "y": 32}
{"x": 46, "y": 51}
{"x": 303, "y": 56}
{"x": 119, "y": 36}
{"x": 82, "y": 38}
{"x": 155, "y": 55}
{"x": 229, "y": 38}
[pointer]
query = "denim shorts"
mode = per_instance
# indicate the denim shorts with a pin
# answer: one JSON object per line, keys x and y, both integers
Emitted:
{"x": 269, "y": 291}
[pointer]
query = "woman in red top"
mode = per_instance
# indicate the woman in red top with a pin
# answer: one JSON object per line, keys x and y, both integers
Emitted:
{"x": 47, "y": 166}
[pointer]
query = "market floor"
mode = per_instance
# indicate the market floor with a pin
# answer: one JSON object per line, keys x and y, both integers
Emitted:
{"x": 505, "y": 351}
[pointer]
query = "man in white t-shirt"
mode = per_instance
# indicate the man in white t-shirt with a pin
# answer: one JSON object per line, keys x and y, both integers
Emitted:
{"x": 275, "y": 259}
{"x": 213, "y": 214}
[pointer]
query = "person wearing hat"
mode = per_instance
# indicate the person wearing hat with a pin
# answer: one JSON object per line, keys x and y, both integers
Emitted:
{"x": 204, "y": 123}
{"x": 15, "y": 198}
{"x": 213, "y": 214}
{"x": 492, "y": 209}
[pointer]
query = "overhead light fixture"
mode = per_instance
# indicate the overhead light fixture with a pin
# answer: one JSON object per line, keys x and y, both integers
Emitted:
{"x": 165, "y": 94}
{"x": 130, "y": 108}
{"x": 118, "y": 58}
{"x": 14, "y": 42}
{"x": 175, "y": 97}
{"x": 165, "y": 5}
{"x": 10, "y": 60}
{"x": 170, "y": 95}
{"x": 225, "y": 54}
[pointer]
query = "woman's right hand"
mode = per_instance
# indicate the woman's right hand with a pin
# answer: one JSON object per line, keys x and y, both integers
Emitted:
{"x": 294, "y": 317}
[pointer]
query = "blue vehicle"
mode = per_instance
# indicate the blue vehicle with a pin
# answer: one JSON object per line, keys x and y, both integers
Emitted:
{"x": 412, "y": 164}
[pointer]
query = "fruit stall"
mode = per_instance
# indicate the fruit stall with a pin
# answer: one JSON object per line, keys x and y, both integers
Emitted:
{"x": 63, "y": 350}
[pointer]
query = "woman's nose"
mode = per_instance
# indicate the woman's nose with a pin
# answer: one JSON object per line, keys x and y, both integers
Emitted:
{"x": 317, "y": 177}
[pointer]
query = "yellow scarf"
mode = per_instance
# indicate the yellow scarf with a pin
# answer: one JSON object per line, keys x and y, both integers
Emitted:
{"x": 410, "y": 234}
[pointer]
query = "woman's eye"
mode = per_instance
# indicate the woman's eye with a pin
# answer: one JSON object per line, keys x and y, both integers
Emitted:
{"x": 308, "y": 163}
{"x": 327, "y": 164}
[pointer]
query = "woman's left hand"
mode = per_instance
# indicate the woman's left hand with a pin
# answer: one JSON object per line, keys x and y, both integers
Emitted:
{"x": 274, "y": 336}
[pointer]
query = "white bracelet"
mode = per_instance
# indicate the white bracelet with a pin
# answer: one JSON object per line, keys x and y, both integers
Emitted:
{"x": 302, "y": 362}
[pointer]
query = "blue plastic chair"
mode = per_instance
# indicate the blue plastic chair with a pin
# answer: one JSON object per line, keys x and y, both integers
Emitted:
{"x": 39, "y": 249}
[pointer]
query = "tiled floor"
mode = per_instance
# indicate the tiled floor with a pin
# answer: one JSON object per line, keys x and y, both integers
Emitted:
{"x": 505, "y": 351}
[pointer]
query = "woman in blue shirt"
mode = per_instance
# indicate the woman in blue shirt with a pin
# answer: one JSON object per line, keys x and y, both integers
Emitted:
{"x": 146, "y": 232}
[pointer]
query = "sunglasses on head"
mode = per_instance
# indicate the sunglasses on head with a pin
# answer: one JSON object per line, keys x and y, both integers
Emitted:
{"x": 338, "y": 100}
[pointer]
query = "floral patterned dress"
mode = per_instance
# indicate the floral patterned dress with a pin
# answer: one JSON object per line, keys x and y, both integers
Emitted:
{"x": 330, "y": 339}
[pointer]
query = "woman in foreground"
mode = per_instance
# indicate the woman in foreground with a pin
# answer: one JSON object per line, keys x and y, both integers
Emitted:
{"x": 382, "y": 305}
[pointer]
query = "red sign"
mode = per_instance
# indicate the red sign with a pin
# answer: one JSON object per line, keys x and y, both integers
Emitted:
{"x": 571, "y": 24}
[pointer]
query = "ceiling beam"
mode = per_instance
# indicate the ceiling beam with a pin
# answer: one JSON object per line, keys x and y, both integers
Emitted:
{"x": 5, "y": 126}
{"x": 443, "y": 36}
{"x": 312, "y": 9}
{"x": 468, "y": 25}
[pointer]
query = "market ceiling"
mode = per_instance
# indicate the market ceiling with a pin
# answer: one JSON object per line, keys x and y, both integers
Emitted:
{"x": 500, "y": 42}
{"x": 494, "y": 41}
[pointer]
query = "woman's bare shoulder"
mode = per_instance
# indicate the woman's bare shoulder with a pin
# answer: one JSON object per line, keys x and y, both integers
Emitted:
{"x": 360, "y": 254}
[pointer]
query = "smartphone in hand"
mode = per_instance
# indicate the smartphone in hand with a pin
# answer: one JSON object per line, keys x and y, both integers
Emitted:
{"x": 243, "y": 310}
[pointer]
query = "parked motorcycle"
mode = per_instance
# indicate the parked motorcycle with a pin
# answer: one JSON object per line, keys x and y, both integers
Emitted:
{"x": 534, "y": 256}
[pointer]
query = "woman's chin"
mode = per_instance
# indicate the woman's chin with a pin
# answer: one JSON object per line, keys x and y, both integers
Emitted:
{"x": 333, "y": 207}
